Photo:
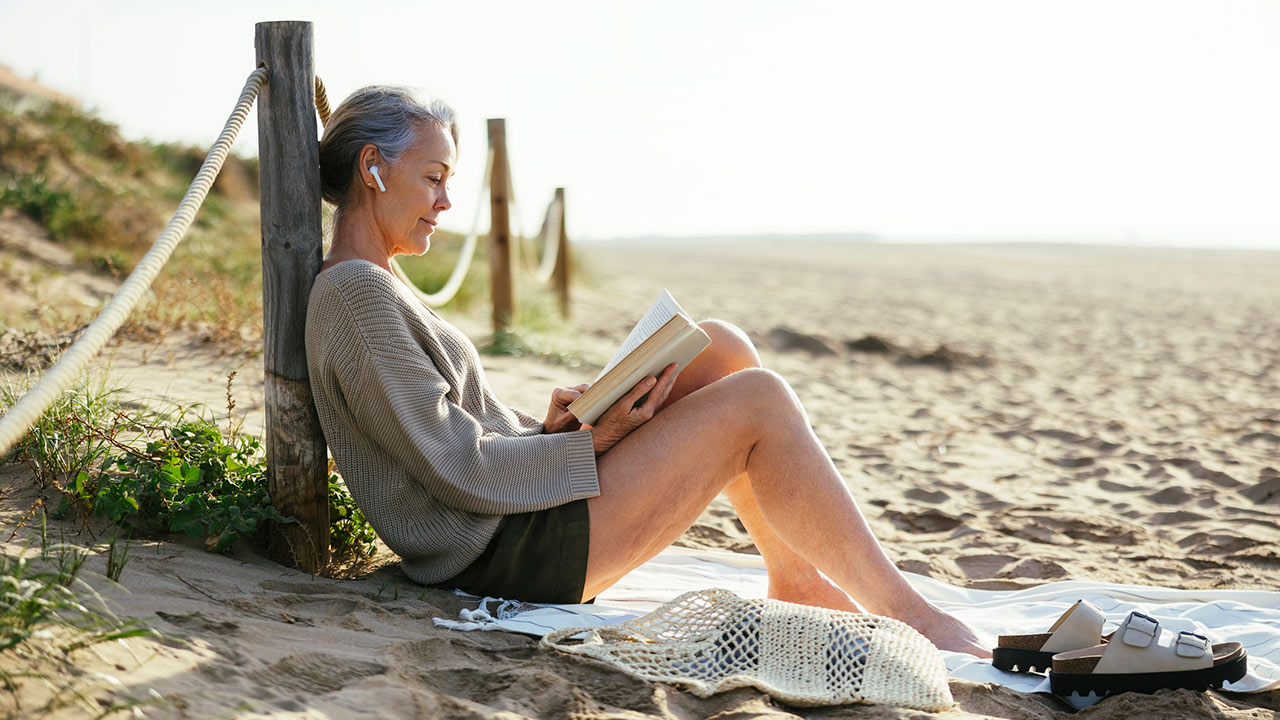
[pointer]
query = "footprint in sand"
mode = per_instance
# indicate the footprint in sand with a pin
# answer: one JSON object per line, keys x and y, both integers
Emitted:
{"x": 1260, "y": 437}
{"x": 1113, "y": 486}
{"x": 1171, "y": 496}
{"x": 316, "y": 673}
{"x": 1106, "y": 534}
{"x": 1063, "y": 435}
{"x": 977, "y": 567}
{"x": 1072, "y": 461}
{"x": 1216, "y": 543}
{"x": 928, "y": 496}
{"x": 1175, "y": 517}
{"x": 926, "y": 521}
{"x": 1030, "y": 528}
{"x": 1200, "y": 472}
{"x": 196, "y": 621}
{"x": 1266, "y": 492}
{"x": 1035, "y": 568}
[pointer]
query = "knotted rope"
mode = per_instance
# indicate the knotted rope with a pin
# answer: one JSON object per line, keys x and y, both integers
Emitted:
{"x": 542, "y": 271}
{"x": 322, "y": 102}
{"x": 18, "y": 420}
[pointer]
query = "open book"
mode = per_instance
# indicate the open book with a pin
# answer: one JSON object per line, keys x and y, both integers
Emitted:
{"x": 663, "y": 336}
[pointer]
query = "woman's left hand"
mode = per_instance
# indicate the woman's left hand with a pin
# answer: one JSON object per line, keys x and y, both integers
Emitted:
{"x": 559, "y": 419}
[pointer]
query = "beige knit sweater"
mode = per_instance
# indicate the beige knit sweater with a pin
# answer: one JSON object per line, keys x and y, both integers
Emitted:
{"x": 429, "y": 453}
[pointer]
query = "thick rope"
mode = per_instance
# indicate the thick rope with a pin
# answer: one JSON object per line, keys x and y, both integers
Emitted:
{"x": 543, "y": 271}
{"x": 18, "y": 420}
{"x": 454, "y": 283}
{"x": 550, "y": 244}
{"x": 322, "y": 102}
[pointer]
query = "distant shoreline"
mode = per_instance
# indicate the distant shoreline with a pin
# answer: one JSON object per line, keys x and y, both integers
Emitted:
{"x": 873, "y": 239}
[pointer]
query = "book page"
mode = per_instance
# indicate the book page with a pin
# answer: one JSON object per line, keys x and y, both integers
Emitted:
{"x": 662, "y": 310}
{"x": 679, "y": 343}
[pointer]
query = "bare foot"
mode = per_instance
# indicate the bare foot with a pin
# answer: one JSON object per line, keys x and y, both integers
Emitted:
{"x": 948, "y": 633}
{"x": 814, "y": 589}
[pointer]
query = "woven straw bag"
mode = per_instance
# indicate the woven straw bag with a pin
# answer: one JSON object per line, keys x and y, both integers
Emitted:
{"x": 713, "y": 640}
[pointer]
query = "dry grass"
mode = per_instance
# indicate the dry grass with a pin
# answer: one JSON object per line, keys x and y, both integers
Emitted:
{"x": 106, "y": 199}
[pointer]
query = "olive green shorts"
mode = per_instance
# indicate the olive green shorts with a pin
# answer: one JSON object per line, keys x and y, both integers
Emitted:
{"x": 536, "y": 557}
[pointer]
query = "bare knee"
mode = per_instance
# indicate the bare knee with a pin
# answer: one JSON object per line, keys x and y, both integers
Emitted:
{"x": 730, "y": 350}
{"x": 763, "y": 393}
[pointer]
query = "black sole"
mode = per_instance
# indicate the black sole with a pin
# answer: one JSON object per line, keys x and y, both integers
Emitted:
{"x": 1027, "y": 661}
{"x": 1109, "y": 683}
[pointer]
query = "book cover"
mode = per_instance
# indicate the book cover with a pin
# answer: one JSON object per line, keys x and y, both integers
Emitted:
{"x": 664, "y": 335}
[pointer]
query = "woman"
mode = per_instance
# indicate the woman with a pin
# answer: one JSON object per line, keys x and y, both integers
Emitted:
{"x": 477, "y": 495}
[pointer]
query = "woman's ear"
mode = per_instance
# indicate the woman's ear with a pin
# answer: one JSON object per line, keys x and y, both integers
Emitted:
{"x": 368, "y": 158}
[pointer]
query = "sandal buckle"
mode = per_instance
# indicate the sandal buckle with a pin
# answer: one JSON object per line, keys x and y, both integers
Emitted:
{"x": 1191, "y": 645}
{"x": 1140, "y": 629}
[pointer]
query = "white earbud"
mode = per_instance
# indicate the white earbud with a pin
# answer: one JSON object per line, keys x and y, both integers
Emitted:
{"x": 377, "y": 178}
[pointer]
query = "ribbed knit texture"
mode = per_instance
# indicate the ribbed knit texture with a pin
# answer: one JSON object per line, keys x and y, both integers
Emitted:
{"x": 429, "y": 453}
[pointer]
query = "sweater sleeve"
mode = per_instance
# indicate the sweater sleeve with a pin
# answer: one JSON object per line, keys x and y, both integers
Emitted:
{"x": 526, "y": 420}
{"x": 400, "y": 400}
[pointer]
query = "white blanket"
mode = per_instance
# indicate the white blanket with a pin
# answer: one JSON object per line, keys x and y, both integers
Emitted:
{"x": 1250, "y": 617}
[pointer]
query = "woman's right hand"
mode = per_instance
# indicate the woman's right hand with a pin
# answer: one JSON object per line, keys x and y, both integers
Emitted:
{"x": 618, "y": 421}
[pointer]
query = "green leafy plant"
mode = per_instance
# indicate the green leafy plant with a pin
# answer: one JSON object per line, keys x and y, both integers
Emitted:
{"x": 65, "y": 213}
{"x": 190, "y": 477}
{"x": 33, "y": 196}
{"x": 192, "y": 481}
{"x": 350, "y": 534}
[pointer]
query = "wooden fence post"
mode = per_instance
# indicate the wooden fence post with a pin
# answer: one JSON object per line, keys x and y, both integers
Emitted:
{"x": 289, "y": 186}
{"x": 561, "y": 273}
{"x": 500, "y": 286}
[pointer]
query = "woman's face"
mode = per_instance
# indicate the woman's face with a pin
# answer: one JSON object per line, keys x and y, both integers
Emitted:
{"x": 417, "y": 191}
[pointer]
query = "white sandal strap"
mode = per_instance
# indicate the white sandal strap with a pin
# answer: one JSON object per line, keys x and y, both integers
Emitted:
{"x": 1192, "y": 645}
{"x": 1080, "y": 626}
{"x": 1145, "y": 647}
{"x": 1139, "y": 630}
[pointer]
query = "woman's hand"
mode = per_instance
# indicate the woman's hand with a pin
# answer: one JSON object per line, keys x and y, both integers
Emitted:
{"x": 559, "y": 419}
{"x": 618, "y": 421}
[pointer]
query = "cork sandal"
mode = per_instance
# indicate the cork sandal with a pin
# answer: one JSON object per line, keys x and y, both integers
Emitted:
{"x": 1079, "y": 627}
{"x": 1144, "y": 658}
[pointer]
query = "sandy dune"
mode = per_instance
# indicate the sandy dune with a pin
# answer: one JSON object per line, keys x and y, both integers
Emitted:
{"x": 1005, "y": 415}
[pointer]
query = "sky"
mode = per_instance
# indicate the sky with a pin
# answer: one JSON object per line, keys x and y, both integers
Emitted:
{"x": 1124, "y": 121}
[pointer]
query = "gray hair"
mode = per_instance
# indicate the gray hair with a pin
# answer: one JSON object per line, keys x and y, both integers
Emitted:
{"x": 383, "y": 115}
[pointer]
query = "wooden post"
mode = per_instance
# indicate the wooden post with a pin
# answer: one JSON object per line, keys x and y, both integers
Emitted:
{"x": 500, "y": 286}
{"x": 289, "y": 187}
{"x": 561, "y": 273}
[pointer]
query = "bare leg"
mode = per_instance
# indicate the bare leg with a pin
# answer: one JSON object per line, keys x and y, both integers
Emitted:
{"x": 656, "y": 482}
{"x": 791, "y": 577}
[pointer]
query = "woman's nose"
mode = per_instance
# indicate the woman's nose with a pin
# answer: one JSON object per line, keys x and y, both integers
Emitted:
{"x": 442, "y": 201}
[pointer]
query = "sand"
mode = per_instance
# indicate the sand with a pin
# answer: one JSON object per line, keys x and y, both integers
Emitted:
{"x": 1005, "y": 415}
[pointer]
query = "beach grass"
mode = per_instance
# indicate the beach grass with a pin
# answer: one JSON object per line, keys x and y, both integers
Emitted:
{"x": 47, "y": 614}
{"x": 173, "y": 470}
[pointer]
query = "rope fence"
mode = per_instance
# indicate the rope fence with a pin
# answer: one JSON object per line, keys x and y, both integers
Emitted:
{"x": 299, "y": 485}
{"x": 322, "y": 102}
{"x": 541, "y": 271}
{"x": 24, "y": 413}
